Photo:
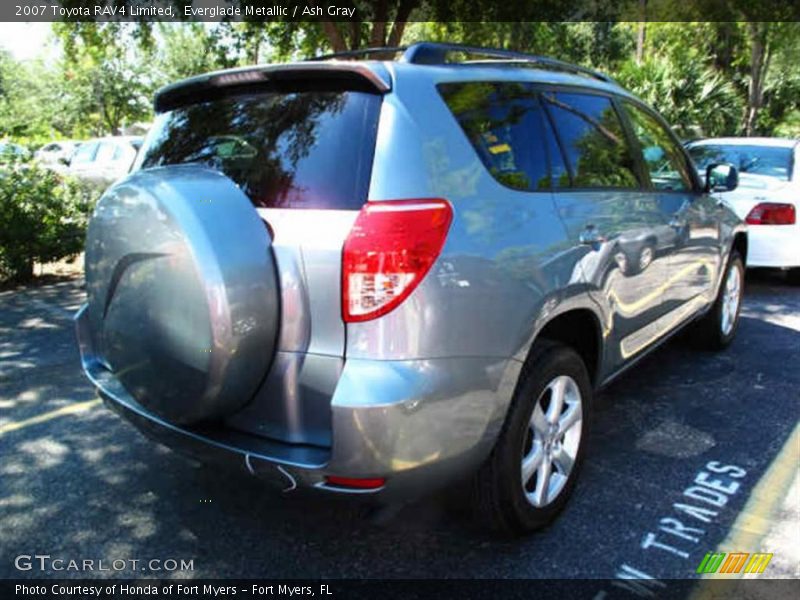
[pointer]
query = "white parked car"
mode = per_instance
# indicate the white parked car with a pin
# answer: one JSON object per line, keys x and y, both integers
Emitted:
{"x": 104, "y": 160}
{"x": 767, "y": 197}
{"x": 56, "y": 154}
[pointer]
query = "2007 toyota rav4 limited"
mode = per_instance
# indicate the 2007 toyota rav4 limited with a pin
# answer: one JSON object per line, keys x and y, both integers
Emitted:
{"x": 379, "y": 277}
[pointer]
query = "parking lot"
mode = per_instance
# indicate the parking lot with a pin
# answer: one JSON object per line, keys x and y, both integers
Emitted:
{"x": 77, "y": 482}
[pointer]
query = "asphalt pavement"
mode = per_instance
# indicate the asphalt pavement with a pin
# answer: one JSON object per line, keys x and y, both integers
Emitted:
{"x": 678, "y": 448}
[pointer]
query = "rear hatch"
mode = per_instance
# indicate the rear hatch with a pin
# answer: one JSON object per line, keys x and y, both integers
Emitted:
{"x": 216, "y": 263}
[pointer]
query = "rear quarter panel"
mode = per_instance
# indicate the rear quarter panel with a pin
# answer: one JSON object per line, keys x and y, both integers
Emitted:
{"x": 505, "y": 268}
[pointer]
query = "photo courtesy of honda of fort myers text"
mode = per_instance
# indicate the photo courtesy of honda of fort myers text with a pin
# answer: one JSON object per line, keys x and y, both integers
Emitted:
{"x": 402, "y": 298}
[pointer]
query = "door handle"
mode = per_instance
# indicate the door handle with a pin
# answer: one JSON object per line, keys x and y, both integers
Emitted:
{"x": 591, "y": 236}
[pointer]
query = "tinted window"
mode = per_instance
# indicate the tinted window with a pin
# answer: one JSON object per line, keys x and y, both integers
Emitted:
{"x": 106, "y": 152}
{"x": 662, "y": 156}
{"x": 593, "y": 140}
{"x": 504, "y": 123}
{"x": 558, "y": 168}
{"x": 84, "y": 154}
{"x": 757, "y": 160}
{"x": 284, "y": 150}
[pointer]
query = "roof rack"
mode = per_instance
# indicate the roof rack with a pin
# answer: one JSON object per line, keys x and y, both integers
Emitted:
{"x": 363, "y": 52}
{"x": 435, "y": 53}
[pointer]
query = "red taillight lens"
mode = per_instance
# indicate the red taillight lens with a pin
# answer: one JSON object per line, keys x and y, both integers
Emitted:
{"x": 771, "y": 213}
{"x": 389, "y": 250}
{"x": 352, "y": 482}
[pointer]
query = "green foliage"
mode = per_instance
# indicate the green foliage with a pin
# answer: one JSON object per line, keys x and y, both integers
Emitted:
{"x": 699, "y": 75}
{"x": 42, "y": 218}
{"x": 696, "y": 100}
{"x": 188, "y": 49}
{"x": 29, "y": 106}
{"x": 107, "y": 74}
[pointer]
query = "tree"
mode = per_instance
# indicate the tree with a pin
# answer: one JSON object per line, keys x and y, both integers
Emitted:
{"x": 383, "y": 25}
{"x": 760, "y": 54}
{"x": 107, "y": 74}
{"x": 187, "y": 49}
{"x": 31, "y": 105}
{"x": 43, "y": 218}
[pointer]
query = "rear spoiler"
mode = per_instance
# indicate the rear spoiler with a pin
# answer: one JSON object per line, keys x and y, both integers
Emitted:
{"x": 337, "y": 75}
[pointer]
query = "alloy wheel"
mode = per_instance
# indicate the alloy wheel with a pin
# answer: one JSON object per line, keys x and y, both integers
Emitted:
{"x": 552, "y": 441}
{"x": 731, "y": 297}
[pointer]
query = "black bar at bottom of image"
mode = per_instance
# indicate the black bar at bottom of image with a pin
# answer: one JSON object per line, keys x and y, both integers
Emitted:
{"x": 405, "y": 589}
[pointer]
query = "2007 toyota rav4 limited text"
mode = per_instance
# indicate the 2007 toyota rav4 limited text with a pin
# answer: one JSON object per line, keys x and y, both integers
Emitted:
{"x": 383, "y": 277}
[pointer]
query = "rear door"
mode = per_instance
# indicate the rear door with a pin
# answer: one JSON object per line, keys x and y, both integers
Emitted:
{"x": 688, "y": 236}
{"x": 608, "y": 212}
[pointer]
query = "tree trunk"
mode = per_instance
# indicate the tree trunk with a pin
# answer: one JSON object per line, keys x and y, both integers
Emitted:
{"x": 334, "y": 36}
{"x": 22, "y": 270}
{"x": 641, "y": 33}
{"x": 757, "y": 32}
{"x": 377, "y": 37}
{"x": 400, "y": 19}
{"x": 380, "y": 26}
{"x": 255, "y": 51}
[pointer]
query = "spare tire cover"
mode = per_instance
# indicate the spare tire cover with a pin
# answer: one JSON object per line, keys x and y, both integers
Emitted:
{"x": 183, "y": 293}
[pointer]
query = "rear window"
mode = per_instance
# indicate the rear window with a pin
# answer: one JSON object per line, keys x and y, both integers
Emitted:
{"x": 769, "y": 161}
{"x": 284, "y": 150}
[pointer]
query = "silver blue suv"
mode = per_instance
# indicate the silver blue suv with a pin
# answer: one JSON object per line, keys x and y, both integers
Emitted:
{"x": 380, "y": 277}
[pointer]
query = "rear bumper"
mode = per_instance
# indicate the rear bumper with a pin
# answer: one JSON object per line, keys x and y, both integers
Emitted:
{"x": 418, "y": 424}
{"x": 774, "y": 246}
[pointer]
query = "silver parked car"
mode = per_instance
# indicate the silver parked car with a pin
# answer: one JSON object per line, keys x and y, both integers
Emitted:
{"x": 379, "y": 278}
{"x": 104, "y": 160}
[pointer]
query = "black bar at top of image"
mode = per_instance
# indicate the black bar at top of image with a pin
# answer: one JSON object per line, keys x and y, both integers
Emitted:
{"x": 425, "y": 589}
{"x": 403, "y": 10}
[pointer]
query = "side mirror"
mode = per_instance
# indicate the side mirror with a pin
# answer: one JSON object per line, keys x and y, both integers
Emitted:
{"x": 64, "y": 161}
{"x": 721, "y": 177}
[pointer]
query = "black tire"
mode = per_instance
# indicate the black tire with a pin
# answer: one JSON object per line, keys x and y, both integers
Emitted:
{"x": 633, "y": 259}
{"x": 499, "y": 497}
{"x": 708, "y": 332}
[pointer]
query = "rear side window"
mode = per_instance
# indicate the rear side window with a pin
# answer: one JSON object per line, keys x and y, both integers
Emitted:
{"x": 106, "y": 152}
{"x": 284, "y": 150}
{"x": 85, "y": 153}
{"x": 593, "y": 140}
{"x": 504, "y": 123}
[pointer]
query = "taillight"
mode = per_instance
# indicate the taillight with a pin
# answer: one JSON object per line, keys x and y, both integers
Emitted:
{"x": 355, "y": 483}
{"x": 772, "y": 213}
{"x": 390, "y": 248}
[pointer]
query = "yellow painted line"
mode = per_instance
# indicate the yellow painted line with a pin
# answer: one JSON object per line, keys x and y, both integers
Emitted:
{"x": 630, "y": 308}
{"x": 53, "y": 414}
{"x": 753, "y": 523}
